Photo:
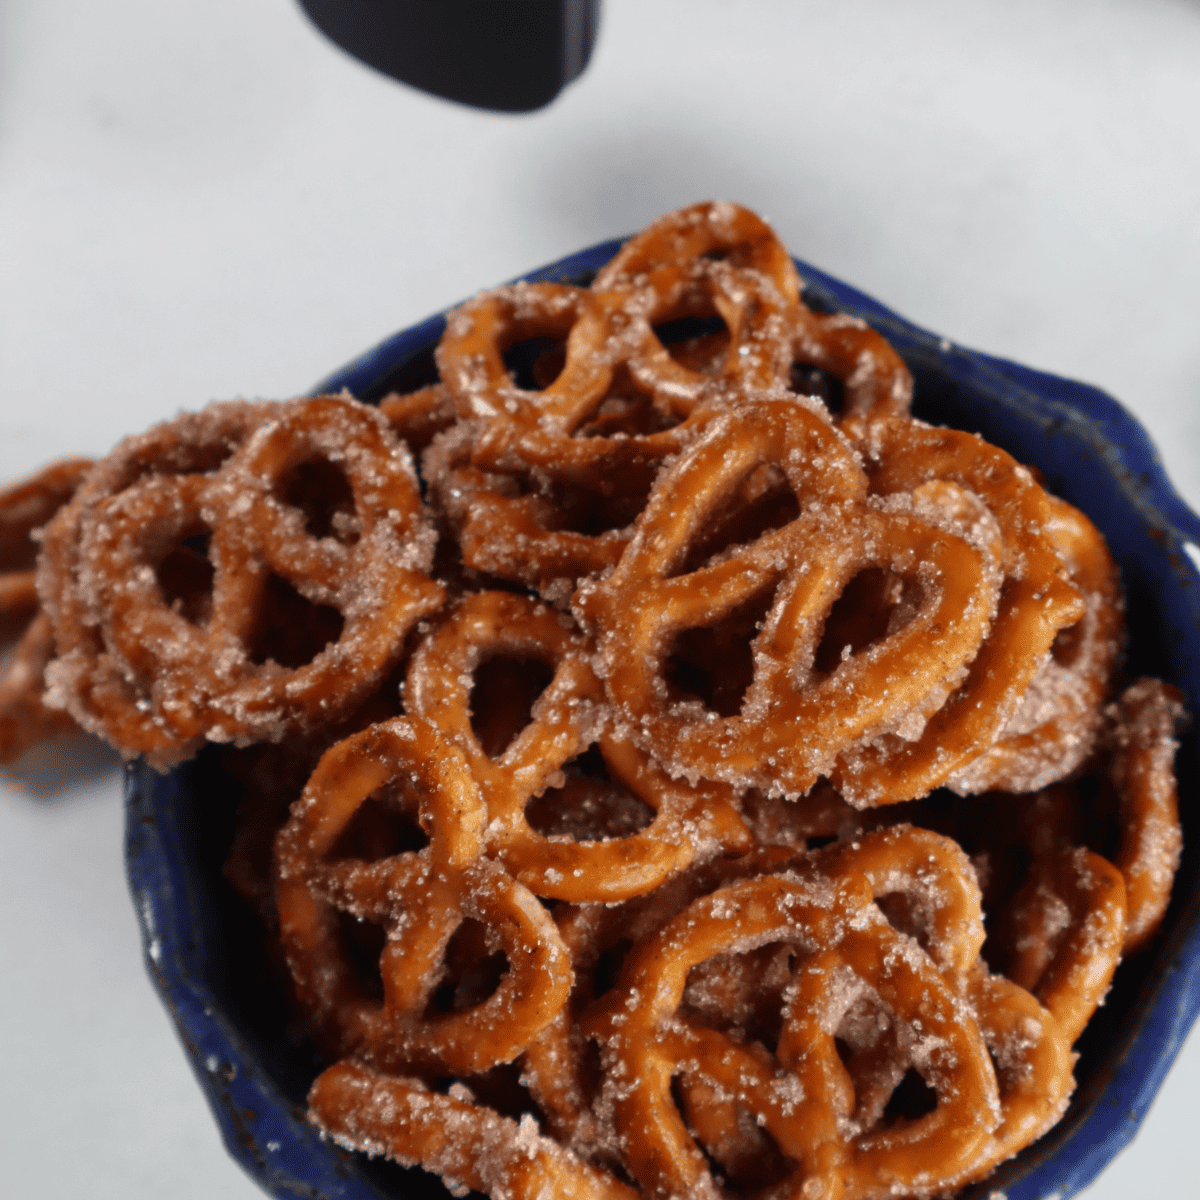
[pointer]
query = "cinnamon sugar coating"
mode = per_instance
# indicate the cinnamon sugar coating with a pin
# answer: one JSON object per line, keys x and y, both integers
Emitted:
{"x": 589, "y": 798}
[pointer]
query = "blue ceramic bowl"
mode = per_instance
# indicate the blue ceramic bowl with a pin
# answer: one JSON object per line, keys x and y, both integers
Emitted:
{"x": 206, "y": 960}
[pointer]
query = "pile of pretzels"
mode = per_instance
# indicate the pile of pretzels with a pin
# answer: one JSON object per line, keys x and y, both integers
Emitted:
{"x": 666, "y": 767}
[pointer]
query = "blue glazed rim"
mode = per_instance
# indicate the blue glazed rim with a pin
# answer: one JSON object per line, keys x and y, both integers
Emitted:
{"x": 255, "y": 1073}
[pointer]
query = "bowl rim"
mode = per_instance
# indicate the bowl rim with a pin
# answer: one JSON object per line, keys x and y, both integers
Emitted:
{"x": 274, "y": 1143}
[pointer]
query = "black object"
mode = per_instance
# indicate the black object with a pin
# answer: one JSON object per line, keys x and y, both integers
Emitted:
{"x": 510, "y": 55}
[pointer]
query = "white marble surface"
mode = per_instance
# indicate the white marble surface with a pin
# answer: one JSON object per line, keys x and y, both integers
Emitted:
{"x": 204, "y": 199}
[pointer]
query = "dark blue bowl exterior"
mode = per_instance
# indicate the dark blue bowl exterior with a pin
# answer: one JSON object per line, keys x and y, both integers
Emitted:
{"x": 1090, "y": 451}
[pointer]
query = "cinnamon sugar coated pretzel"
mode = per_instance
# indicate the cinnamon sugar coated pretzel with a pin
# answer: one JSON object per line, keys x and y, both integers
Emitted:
{"x": 700, "y": 779}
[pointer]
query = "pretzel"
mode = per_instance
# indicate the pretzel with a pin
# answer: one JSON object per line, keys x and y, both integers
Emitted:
{"x": 688, "y": 822}
{"x": 716, "y": 229}
{"x": 159, "y": 677}
{"x": 1146, "y": 716}
{"x": 531, "y": 527}
{"x": 1064, "y": 932}
{"x": 1031, "y": 1053}
{"x": 553, "y": 1066}
{"x": 644, "y": 604}
{"x": 1060, "y": 715}
{"x": 613, "y": 361}
{"x": 467, "y": 1144}
{"x": 823, "y": 1115}
{"x": 24, "y": 719}
{"x": 1036, "y": 602}
{"x": 106, "y": 703}
{"x": 419, "y": 898}
{"x": 647, "y": 1044}
{"x": 876, "y": 384}
{"x": 930, "y": 892}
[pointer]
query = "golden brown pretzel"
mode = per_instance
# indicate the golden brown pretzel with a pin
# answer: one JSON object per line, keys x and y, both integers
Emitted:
{"x": 1142, "y": 772}
{"x": 836, "y": 930}
{"x": 26, "y": 506}
{"x": 1036, "y": 602}
{"x": 419, "y": 898}
{"x": 876, "y": 384}
{"x": 541, "y": 526}
{"x": 467, "y": 1144}
{"x": 1055, "y": 727}
{"x": 584, "y": 448}
{"x": 793, "y": 722}
{"x": 24, "y": 720}
{"x": 688, "y": 821}
{"x": 1063, "y": 934}
{"x": 894, "y": 1007}
{"x": 157, "y": 676}
{"x": 554, "y": 1066}
{"x": 709, "y": 230}
{"x": 1032, "y": 1055}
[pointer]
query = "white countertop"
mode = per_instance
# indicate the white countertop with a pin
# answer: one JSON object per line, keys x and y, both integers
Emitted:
{"x": 205, "y": 199}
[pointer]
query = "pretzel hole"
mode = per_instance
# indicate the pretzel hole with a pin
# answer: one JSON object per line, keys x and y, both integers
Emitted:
{"x": 911, "y": 1099}
{"x": 807, "y": 380}
{"x": 321, "y": 491}
{"x": 473, "y": 970}
{"x": 380, "y": 828}
{"x": 199, "y": 458}
{"x": 742, "y": 994}
{"x": 589, "y": 805}
{"x": 185, "y": 578}
{"x": 763, "y": 500}
{"x": 715, "y": 664}
{"x": 505, "y": 689}
{"x": 627, "y": 409}
{"x": 608, "y": 966}
{"x": 500, "y": 1089}
{"x": 740, "y": 1154}
{"x": 1067, "y": 644}
{"x": 697, "y": 343}
{"x": 535, "y": 363}
{"x": 362, "y": 944}
{"x": 904, "y": 915}
{"x": 18, "y": 551}
{"x": 864, "y": 613}
{"x": 291, "y": 630}
{"x": 1102, "y": 831}
{"x": 591, "y": 511}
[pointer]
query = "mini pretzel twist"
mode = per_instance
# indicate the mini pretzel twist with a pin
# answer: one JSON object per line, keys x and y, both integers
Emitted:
{"x": 157, "y": 678}
{"x": 24, "y": 508}
{"x": 469, "y": 1145}
{"x": 716, "y": 229}
{"x": 1060, "y": 715}
{"x": 823, "y": 1113}
{"x": 537, "y": 526}
{"x": 800, "y": 1105}
{"x": 614, "y": 364}
{"x": 688, "y": 822}
{"x": 419, "y": 898}
{"x": 876, "y": 383}
{"x": 1142, "y": 772}
{"x": 553, "y": 1066}
{"x": 793, "y": 722}
{"x": 1036, "y": 602}
{"x": 1064, "y": 932}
